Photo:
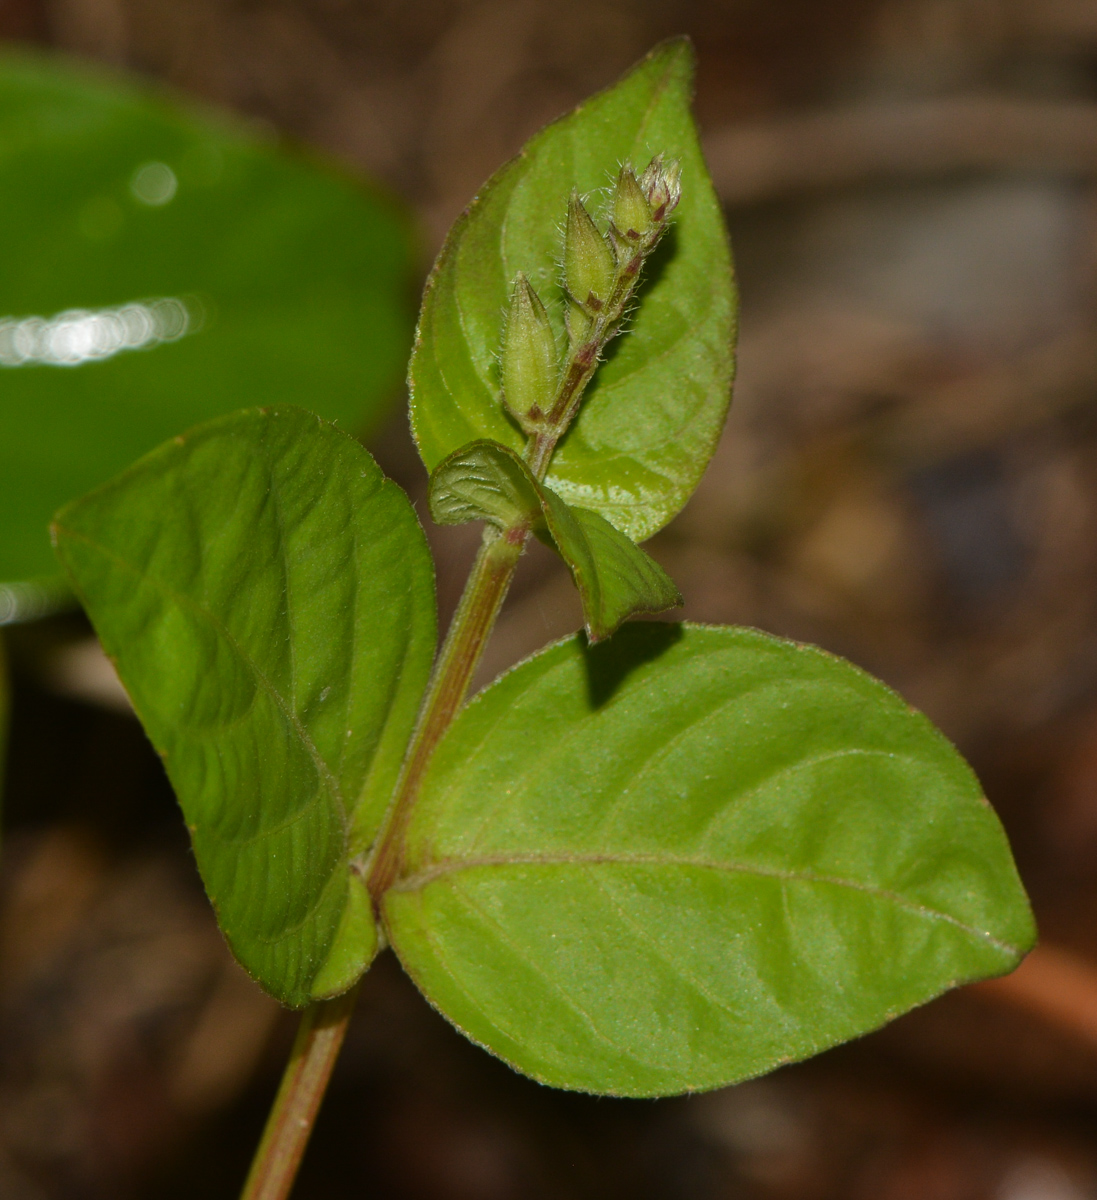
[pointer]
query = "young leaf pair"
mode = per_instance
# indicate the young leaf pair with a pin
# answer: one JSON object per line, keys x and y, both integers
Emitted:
{"x": 485, "y": 481}
{"x": 666, "y": 862}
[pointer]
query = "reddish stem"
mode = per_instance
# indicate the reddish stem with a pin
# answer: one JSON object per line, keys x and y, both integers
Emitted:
{"x": 319, "y": 1038}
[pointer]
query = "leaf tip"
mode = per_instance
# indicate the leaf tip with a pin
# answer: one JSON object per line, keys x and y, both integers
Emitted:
{"x": 676, "y": 54}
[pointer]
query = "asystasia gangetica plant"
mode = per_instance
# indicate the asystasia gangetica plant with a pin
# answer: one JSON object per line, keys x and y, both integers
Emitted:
{"x": 642, "y": 862}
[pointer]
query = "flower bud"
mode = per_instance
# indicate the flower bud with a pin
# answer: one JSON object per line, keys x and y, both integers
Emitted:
{"x": 662, "y": 185}
{"x": 530, "y": 366}
{"x": 631, "y": 211}
{"x": 579, "y": 323}
{"x": 589, "y": 264}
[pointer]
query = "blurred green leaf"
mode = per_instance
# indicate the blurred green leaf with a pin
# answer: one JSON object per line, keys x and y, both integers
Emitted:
{"x": 689, "y": 855}
{"x": 654, "y": 410}
{"x": 485, "y": 481}
{"x": 267, "y": 596}
{"x": 239, "y": 274}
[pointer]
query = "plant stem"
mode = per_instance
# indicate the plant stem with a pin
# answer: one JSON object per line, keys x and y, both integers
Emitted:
{"x": 487, "y": 587}
{"x": 468, "y": 634}
{"x": 324, "y": 1025}
{"x": 319, "y": 1038}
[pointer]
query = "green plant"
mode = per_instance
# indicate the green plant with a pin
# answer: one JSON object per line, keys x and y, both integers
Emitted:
{"x": 642, "y": 862}
{"x": 164, "y": 266}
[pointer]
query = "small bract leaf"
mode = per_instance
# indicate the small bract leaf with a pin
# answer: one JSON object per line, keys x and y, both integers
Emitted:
{"x": 614, "y": 576}
{"x": 689, "y": 855}
{"x": 163, "y": 266}
{"x": 267, "y": 597}
{"x": 485, "y": 481}
{"x": 652, "y": 413}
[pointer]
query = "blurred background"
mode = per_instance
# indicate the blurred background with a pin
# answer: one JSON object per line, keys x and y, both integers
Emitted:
{"x": 908, "y": 477}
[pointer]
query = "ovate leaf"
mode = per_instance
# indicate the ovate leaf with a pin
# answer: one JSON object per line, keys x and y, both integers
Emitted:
{"x": 655, "y": 408}
{"x": 614, "y": 576}
{"x": 267, "y": 597}
{"x": 485, "y": 481}
{"x": 689, "y": 855}
{"x": 162, "y": 266}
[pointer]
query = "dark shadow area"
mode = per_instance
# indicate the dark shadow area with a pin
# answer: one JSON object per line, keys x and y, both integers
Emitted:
{"x": 611, "y": 662}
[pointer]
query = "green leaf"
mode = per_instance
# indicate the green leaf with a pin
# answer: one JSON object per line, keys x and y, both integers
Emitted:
{"x": 690, "y": 855}
{"x": 485, "y": 481}
{"x": 614, "y": 576}
{"x": 241, "y": 273}
{"x": 653, "y": 412}
{"x": 267, "y": 597}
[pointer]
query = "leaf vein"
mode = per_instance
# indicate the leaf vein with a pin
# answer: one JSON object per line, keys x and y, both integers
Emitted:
{"x": 445, "y": 867}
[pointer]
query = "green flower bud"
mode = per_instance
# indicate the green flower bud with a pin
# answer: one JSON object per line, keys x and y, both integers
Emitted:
{"x": 662, "y": 185}
{"x": 579, "y": 323}
{"x": 589, "y": 264}
{"x": 530, "y": 367}
{"x": 631, "y": 211}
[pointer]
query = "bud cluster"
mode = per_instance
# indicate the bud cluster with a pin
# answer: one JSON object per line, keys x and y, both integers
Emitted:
{"x": 600, "y": 272}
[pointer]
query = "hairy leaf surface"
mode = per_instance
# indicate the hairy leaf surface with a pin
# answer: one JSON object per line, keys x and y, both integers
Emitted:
{"x": 161, "y": 267}
{"x": 653, "y": 412}
{"x": 486, "y": 481}
{"x": 267, "y": 597}
{"x": 691, "y": 854}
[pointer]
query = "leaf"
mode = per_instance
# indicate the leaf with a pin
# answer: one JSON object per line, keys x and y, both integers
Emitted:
{"x": 267, "y": 597}
{"x": 485, "y": 481}
{"x": 238, "y": 273}
{"x": 652, "y": 414}
{"x": 692, "y": 854}
{"x": 614, "y": 576}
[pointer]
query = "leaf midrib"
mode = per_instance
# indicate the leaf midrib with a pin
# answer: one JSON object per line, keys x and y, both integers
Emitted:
{"x": 443, "y": 867}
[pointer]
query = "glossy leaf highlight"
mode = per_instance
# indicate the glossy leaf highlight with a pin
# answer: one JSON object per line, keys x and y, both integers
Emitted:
{"x": 692, "y": 854}
{"x": 161, "y": 267}
{"x": 267, "y": 596}
{"x": 654, "y": 409}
